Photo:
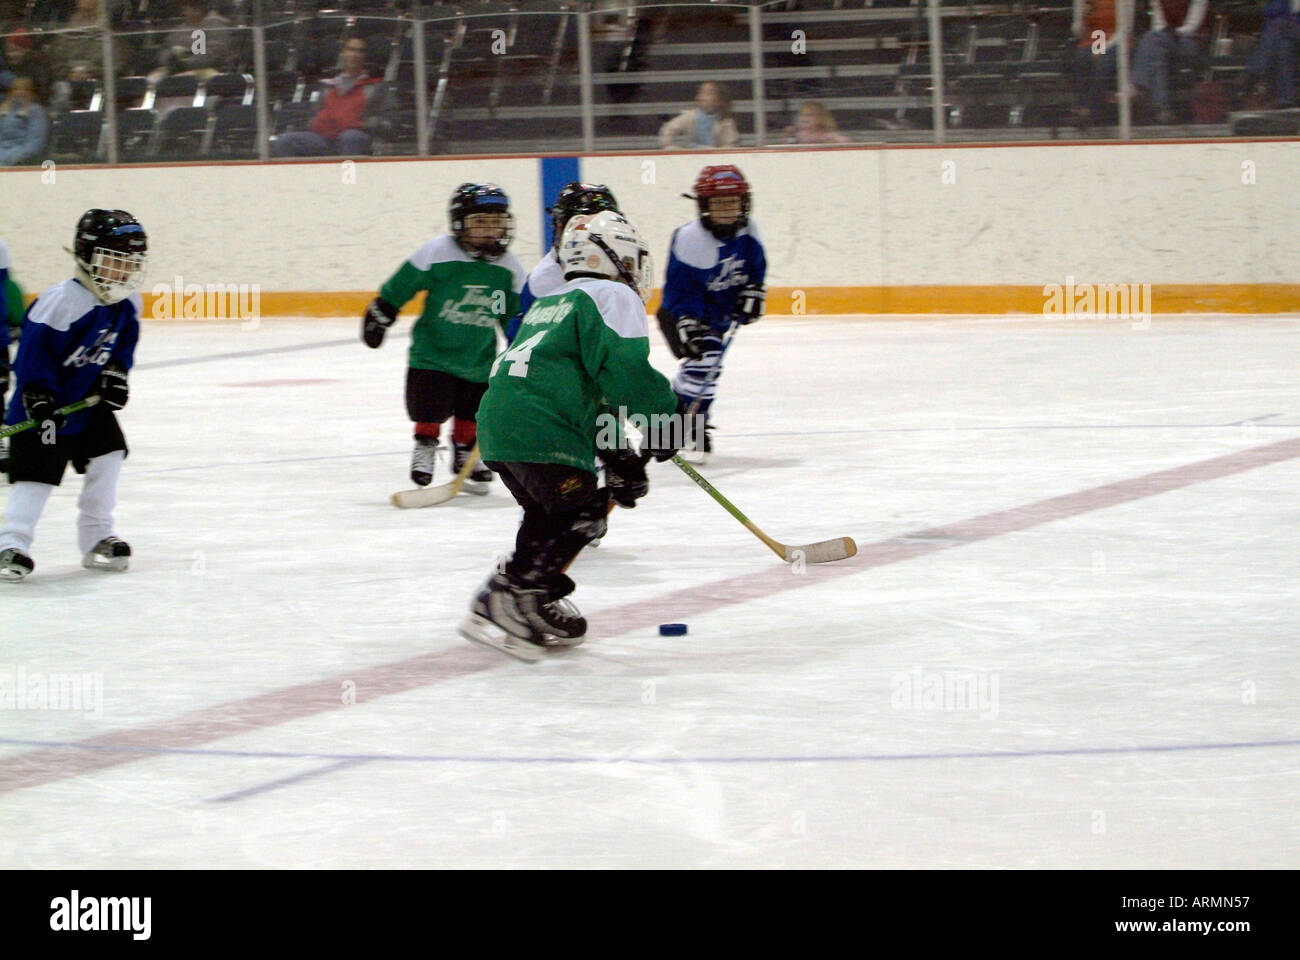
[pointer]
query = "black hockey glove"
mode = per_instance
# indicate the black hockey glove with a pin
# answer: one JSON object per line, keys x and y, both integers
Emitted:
{"x": 379, "y": 316}
{"x": 113, "y": 390}
{"x": 664, "y": 444}
{"x": 39, "y": 404}
{"x": 749, "y": 306}
{"x": 693, "y": 336}
{"x": 625, "y": 476}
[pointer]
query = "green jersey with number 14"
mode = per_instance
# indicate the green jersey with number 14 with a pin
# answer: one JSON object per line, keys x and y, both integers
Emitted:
{"x": 587, "y": 341}
{"x": 465, "y": 301}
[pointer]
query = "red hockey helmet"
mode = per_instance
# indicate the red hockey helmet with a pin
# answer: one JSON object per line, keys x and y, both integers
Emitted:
{"x": 725, "y": 180}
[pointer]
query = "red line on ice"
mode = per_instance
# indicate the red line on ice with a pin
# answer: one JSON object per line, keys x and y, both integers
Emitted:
{"x": 49, "y": 764}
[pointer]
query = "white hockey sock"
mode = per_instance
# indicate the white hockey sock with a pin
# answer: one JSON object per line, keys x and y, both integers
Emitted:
{"x": 26, "y": 503}
{"x": 98, "y": 497}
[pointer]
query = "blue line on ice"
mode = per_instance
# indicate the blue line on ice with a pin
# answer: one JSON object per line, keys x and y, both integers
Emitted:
{"x": 813, "y": 758}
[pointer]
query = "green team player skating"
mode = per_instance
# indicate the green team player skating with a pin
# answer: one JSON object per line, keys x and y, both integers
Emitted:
{"x": 539, "y": 429}
{"x": 471, "y": 284}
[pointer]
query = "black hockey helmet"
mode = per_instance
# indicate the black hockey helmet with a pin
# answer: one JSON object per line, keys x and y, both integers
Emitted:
{"x": 575, "y": 198}
{"x": 111, "y": 249}
{"x": 480, "y": 198}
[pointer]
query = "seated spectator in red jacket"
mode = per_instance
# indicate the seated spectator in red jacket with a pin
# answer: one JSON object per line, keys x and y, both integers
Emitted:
{"x": 346, "y": 110}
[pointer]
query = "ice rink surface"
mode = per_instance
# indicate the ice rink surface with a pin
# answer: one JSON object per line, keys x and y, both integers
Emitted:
{"x": 1069, "y": 640}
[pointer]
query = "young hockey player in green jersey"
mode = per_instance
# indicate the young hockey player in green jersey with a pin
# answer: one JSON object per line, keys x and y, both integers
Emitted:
{"x": 585, "y": 343}
{"x": 471, "y": 284}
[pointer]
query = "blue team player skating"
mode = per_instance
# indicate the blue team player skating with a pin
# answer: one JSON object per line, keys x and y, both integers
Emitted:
{"x": 716, "y": 271}
{"x": 78, "y": 340}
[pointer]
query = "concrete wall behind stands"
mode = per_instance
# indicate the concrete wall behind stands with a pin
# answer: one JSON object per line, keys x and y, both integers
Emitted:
{"x": 1211, "y": 226}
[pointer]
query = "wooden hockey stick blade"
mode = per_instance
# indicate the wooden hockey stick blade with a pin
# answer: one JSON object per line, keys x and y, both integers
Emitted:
{"x": 432, "y": 496}
{"x": 823, "y": 551}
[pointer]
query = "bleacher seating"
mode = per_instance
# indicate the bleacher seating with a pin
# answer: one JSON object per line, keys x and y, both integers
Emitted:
{"x": 503, "y": 79}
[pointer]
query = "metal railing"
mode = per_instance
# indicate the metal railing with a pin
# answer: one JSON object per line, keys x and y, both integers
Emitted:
{"x": 549, "y": 77}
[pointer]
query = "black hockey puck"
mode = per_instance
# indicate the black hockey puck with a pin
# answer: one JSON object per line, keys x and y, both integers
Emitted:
{"x": 672, "y": 629}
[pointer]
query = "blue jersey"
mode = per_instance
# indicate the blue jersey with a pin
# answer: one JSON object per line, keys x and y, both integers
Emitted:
{"x": 68, "y": 337}
{"x": 544, "y": 280}
{"x": 706, "y": 275}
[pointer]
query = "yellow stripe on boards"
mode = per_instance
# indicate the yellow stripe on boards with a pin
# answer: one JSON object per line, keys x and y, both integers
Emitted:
{"x": 1263, "y": 298}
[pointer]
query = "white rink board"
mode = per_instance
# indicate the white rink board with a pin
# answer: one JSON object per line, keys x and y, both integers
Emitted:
{"x": 1012, "y": 215}
{"x": 1139, "y": 661}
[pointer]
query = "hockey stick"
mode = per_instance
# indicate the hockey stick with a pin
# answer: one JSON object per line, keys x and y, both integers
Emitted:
{"x": 432, "y": 496}
{"x": 717, "y": 369}
{"x": 713, "y": 376}
{"x": 62, "y": 411}
{"x": 823, "y": 551}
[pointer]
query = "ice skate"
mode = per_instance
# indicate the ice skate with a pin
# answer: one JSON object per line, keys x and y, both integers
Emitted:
{"x": 14, "y": 565}
{"x": 423, "y": 460}
{"x": 479, "y": 477}
{"x": 109, "y": 554}
{"x": 495, "y": 620}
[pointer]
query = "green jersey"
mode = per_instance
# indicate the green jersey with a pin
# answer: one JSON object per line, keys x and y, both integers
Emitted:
{"x": 465, "y": 301}
{"x": 585, "y": 344}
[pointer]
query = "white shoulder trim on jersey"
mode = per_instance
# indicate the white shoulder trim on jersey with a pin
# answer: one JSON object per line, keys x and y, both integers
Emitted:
{"x": 440, "y": 249}
{"x": 547, "y": 276}
{"x": 619, "y": 306}
{"x": 5, "y": 262}
{"x": 63, "y": 304}
{"x": 136, "y": 301}
{"x": 751, "y": 229}
{"x": 694, "y": 246}
{"x": 516, "y": 268}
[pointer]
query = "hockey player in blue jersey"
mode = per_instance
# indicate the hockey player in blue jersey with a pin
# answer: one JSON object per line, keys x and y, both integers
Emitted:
{"x": 78, "y": 340}
{"x": 716, "y": 270}
{"x": 548, "y": 276}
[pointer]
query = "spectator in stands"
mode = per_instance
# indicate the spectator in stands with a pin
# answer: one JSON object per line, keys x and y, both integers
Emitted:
{"x": 1094, "y": 64}
{"x": 1275, "y": 56}
{"x": 23, "y": 125}
{"x": 185, "y": 52}
{"x": 21, "y": 58}
{"x": 1174, "y": 39}
{"x": 814, "y": 124}
{"x": 350, "y": 105}
{"x": 707, "y": 124}
{"x": 78, "y": 54}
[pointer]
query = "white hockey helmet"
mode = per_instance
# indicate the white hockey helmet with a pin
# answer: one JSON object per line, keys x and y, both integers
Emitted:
{"x": 606, "y": 245}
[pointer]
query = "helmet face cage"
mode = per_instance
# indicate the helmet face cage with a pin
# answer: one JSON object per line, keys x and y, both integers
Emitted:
{"x": 111, "y": 253}
{"x": 115, "y": 275}
{"x": 470, "y": 199}
{"x": 722, "y": 181}
{"x": 578, "y": 198}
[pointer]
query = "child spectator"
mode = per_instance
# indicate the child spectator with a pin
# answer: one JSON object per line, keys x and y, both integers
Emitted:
{"x": 707, "y": 124}
{"x": 814, "y": 124}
